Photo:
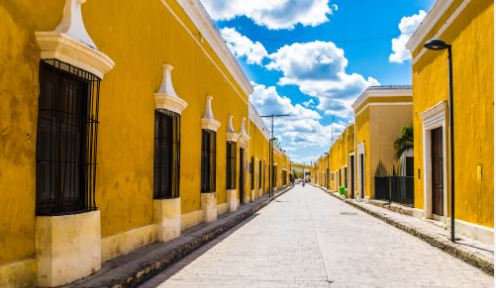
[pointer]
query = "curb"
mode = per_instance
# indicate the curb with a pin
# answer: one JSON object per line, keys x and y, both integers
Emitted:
{"x": 471, "y": 258}
{"x": 184, "y": 248}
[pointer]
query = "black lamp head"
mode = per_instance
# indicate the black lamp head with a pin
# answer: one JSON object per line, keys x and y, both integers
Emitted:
{"x": 436, "y": 44}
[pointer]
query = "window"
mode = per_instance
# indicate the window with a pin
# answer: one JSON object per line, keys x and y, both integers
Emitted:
{"x": 283, "y": 175}
{"x": 252, "y": 173}
{"x": 231, "y": 165}
{"x": 66, "y": 139}
{"x": 345, "y": 177}
{"x": 260, "y": 174}
{"x": 166, "y": 162}
{"x": 208, "y": 161}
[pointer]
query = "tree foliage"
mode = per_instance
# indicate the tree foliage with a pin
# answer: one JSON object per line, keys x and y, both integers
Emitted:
{"x": 404, "y": 142}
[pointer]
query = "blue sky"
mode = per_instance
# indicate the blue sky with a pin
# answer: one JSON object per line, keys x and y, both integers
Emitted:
{"x": 313, "y": 58}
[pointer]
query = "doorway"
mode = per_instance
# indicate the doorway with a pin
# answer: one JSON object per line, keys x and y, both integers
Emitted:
{"x": 352, "y": 175}
{"x": 362, "y": 176}
{"x": 437, "y": 171}
{"x": 241, "y": 175}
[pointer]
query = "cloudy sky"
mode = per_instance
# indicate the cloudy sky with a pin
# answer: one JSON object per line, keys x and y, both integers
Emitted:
{"x": 312, "y": 58}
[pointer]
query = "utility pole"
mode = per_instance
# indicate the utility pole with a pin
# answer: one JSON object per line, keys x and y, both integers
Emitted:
{"x": 271, "y": 151}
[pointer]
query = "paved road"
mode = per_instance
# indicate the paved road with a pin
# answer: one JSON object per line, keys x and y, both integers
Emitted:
{"x": 306, "y": 238}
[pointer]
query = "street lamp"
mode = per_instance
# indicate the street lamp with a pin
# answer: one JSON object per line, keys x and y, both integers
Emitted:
{"x": 438, "y": 45}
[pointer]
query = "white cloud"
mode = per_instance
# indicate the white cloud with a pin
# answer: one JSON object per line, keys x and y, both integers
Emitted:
{"x": 273, "y": 14}
{"x": 242, "y": 46}
{"x": 319, "y": 70}
{"x": 407, "y": 27}
{"x": 303, "y": 136}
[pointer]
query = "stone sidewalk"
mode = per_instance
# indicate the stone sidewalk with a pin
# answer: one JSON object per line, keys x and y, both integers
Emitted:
{"x": 132, "y": 269}
{"x": 469, "y": 250}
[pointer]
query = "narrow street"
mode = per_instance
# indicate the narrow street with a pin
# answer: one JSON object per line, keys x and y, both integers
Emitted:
{"x": 306, "y": 238}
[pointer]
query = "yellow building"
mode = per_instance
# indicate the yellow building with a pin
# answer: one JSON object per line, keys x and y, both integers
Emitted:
{"x": 380, "y": 114}
{"x": 341, "y": 157}
{"x": 469, "y": 28}
{"x": 157, "y": 91}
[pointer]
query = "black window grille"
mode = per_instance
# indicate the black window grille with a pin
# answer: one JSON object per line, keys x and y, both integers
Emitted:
{"x": 274, "y": 176}
{"x": 284, "y": 176}
{"x": 167, "y": 154}
{"x": 66, "y": 142}
{"x": 252, "y": 173}
{"x": 260, "y": 174}
{"x": 208, "y": 161}
{"x": 231, "y": 165}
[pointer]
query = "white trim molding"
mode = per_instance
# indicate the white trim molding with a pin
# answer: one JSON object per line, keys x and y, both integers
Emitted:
{"x": 382, "y": 91}
{"x": 199, "y": 16}
{"x": 382, "y": 104}
{"x": 166, "y": 97}
{"x": 208, "y": 120}
{"x": 434, "y": 118}
{"x": 231, "y": 135}
{"x": 70, "y": 43}
{"x": 255, "y": 117}
{"x": 360, "y": 151}
{"x": 437, "y": 11}
{"x": 244, "y": 138}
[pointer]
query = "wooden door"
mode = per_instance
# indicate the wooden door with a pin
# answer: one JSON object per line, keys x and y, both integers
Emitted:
{"x": 241, "y": 175}
{"x": 362, "y": 177}
{"x": 437, "y": 171}
{"x": 352, "y": 176}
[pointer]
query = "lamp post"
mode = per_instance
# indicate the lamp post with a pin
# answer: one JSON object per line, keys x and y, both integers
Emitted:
{"x": 438, "y": 45}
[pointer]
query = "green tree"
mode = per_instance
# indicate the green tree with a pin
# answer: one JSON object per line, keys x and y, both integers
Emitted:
{"x": 404, "y": 142}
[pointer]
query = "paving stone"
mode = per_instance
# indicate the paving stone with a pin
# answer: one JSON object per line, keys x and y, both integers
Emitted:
{"x": 307, "y": 239}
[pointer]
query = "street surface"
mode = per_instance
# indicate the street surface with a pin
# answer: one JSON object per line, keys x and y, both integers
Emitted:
{"x": 306, "y": 238}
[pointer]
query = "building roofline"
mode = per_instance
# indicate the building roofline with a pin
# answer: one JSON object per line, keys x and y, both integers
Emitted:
{"x": 382, "y": 91}
{"x": 200, "y": 18}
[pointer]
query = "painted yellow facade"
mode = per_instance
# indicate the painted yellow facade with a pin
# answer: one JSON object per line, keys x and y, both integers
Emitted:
{"x": 380, "y": 114}
{"x": 339, "y": 156}
{"x": 139, "y": 39}
{"x": 468, "y": 26}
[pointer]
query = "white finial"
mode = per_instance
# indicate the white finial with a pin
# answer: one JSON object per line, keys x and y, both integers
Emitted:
{"x": 208, "y": 120}
{"x": 208, "y": 109}
{"x": 243, "y": 130}
{"x": 166, "y": 97}
{"x": 72, "y": 23}
{"x": 230, "y": 128}
{"x": 166, "y": 86}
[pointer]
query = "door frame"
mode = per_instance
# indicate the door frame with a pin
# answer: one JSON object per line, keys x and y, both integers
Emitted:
{"x": 351, "y": 173}
{"x": 360, "y": 169}
{"x": 434, "y": 118}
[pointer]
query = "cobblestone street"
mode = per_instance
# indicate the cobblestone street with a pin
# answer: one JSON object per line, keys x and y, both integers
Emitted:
{"x": 306, "y": 238}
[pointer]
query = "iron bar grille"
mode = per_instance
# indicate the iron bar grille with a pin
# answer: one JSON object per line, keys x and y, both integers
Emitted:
{"x": 283, "y": 175}
{"x": 231, "y": 165}
{"x": 260, "y": 174}
{"x": 274, "y": 176}
{"x": 252, "y": 173}
{"x": 66, "y": 142}
{"x": 167, "y": 154}
{"x": 208, "y": 161}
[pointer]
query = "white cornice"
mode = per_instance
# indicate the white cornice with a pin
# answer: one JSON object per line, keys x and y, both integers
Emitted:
{"x": 380, "y": 93}
{"x": 439, "y": 33}
{"x": 199, "y": 16}
{"x": 435, "y": 113}
{"x": 430, "y": 20}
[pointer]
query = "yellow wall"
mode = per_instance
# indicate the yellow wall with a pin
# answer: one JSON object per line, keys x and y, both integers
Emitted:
{"x": 339, "y": 156}
{"x": 378, "y": 127}
{"x": 139, "y": 39}
{"x": 259, "y": 148}
{"x": 472, "y": 38}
